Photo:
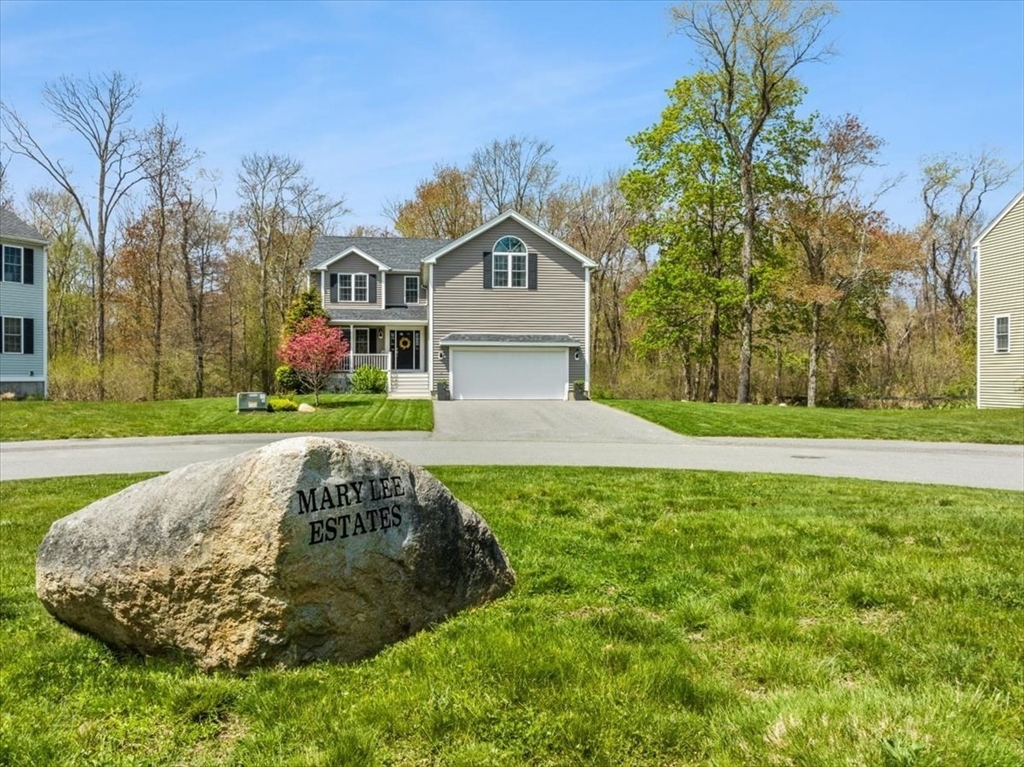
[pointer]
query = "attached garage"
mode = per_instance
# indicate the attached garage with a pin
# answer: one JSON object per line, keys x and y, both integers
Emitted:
{"x": 492, "y": 366}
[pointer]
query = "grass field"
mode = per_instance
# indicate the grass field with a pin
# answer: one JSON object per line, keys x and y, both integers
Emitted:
{"x": 36, "y": 419}
{"x": 661, "y": 618}
{"x": 701, "y": 419}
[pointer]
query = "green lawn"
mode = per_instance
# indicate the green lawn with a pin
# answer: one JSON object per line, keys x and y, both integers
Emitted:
{"x": 661, "y": 618}
{"x": 35, "y": 419}
{"x": 701, "y": 419}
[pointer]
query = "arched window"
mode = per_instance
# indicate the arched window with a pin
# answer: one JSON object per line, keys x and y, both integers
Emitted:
{"x": 509, "y": 263}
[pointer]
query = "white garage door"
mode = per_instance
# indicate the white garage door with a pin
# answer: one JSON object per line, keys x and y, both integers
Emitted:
{"x": 509, "y": 373}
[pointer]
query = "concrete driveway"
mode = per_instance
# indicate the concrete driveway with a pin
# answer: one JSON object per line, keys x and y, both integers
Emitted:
{"x": 545, "y": 421}
{"x": 555, "y": 434}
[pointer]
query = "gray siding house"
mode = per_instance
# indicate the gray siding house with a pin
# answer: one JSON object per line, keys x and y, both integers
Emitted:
{"x": 500, "y": 313}
{"x": 22, "y": 307}
{"x": 999, "y": 252}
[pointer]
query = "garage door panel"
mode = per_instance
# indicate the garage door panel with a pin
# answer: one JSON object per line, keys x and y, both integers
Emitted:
{"x": 527, "y": 373}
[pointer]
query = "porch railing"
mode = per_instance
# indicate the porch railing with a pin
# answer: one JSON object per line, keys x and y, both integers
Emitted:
{"x": 353, "y": 361}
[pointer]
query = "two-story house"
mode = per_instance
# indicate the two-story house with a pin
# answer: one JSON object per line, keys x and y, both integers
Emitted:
{"x": 999, "y": 259}
{"x": 500, "y": 313}
{"x": 22, "y": 307}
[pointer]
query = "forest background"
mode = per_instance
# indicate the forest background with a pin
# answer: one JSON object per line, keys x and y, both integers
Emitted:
{"x": 745, "y": 249}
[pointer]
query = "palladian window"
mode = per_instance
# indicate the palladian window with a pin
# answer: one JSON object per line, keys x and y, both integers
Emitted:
{"x": 509, "y": 263}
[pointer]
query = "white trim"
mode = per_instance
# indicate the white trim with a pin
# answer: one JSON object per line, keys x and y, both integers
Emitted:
{"x": 405, "y": 287}
{"x": 382, "y": 299}
{"x": 995, "y": 221}
{"x": 995, "y": 334}
{"x": 355, "y": 287}
{"x": 347, "y": 252}
{"x": 21, "y": 334}
{"x": 430, "y": 326}
{"x": 509, "y": 214}
{"x": 586, "y": 326}
{"x": 977, "y": 334}
{"x": 21, "y": 267}
{"x": 46, "y": 326}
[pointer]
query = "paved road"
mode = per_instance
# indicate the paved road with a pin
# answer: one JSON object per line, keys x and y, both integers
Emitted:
{"x": 556, "y": 433}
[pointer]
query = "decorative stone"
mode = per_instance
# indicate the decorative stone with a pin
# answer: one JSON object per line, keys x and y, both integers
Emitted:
{"x": 304, "y": 408}
{"x": 307, "y": 549}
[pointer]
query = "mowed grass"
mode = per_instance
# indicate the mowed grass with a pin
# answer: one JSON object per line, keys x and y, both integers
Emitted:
{"x": 660, "y": 618}
{"x": 36, "y": 419}
{"x": 702, "y": 419}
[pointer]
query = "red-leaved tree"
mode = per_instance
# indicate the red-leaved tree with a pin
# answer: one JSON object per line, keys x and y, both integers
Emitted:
{"x": 314, "y": 351}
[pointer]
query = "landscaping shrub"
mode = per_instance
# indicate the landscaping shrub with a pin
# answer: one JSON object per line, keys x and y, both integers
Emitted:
{"x": 286, "y": 380}
{"x": 369, "y": 380}
{"x": 281, "y": 405}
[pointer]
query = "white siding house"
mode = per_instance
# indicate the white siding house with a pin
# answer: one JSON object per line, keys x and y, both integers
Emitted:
{"x": 23, "y": 333}
{"x": 999, "y": 252}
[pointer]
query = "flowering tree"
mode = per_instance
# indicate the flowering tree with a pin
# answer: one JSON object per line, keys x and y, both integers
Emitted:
{"x": 314, "y": 351}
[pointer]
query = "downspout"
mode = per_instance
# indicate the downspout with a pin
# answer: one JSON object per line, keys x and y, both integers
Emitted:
{"x": 430, "y": 326}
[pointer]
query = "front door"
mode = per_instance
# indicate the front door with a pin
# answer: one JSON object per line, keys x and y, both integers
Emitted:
{"x": 406, "y": 348}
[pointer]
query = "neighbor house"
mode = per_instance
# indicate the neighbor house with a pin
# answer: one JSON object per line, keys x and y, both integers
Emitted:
{"x": 22, "y": 307}
{"x": 500, "y": 313}
{"x": 999, "y": 253}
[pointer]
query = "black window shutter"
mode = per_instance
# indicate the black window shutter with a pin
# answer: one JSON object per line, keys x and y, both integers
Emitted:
{"x": 28, "y": 266}
{"x": 372, "y": 292}
{"x": 28, "y": 336}
{"x": 488, "y": 277}
{"x": 531, "y": 271}
{"x": 333, "y": 297}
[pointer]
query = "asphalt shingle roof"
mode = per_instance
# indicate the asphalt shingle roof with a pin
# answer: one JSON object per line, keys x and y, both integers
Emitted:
{"x": 402, "y": 254}
{"x": 13, "y": 227}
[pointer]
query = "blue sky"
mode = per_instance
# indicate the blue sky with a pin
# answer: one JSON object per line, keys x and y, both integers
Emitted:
{"x": 369, "y": 96}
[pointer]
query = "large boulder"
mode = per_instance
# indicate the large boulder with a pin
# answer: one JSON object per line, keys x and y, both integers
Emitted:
{"x": 303, "y": 550}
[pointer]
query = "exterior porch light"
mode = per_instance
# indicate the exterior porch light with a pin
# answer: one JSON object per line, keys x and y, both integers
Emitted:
{"x": 577, "y": 355}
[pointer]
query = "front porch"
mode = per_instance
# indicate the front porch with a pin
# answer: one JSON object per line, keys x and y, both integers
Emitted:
{"x": 399, "y": 351}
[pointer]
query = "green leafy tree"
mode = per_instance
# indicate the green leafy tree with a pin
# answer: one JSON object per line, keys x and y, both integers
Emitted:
{"x": 306, "y": 305}
{"x": 749, "y": 50}
{"x": 689, "y": 183}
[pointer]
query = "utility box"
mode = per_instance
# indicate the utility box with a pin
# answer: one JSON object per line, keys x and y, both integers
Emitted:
{"x": 251, "y": 401}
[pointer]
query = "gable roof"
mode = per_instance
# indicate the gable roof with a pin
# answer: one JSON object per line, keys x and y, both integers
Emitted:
{"x": 510, "y": 214}
{"x": 13, "y": 227}
{"x": 403, "y": 254}
{"x": 997, "y": 219}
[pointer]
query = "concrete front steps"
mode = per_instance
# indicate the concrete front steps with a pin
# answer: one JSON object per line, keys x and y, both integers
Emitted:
{"x": 409, "y": 386}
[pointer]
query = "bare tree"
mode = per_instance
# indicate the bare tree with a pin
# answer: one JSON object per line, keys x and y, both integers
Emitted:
{"x": 752, "y": 48}
{"x": 201, "y": 247}
{"x": 97, "y": 108}
{"x": 953, "y": 190}
{"x": 516, "y": 174}
{"x": 6, "y": 193}
{"x": 166, "y": 159}
{"x": 282, "y": 214}
{"x": 597, "y": 220}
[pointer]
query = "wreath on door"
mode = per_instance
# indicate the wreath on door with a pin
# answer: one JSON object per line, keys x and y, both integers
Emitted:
{"x": 404, "y": 343}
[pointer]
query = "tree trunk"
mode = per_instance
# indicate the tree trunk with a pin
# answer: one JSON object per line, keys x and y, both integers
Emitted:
{"x": 815, "y": 351}
{"x": 747, "y": 267}
{"x": 714, "y": 340}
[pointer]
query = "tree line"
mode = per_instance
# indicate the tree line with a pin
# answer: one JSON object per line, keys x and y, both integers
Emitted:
{"x": 741, "y": 257}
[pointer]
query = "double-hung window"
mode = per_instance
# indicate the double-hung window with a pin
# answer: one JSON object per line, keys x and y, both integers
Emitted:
{"x": 13, "y": 263}
{"x": 362, "y": 340}
{"x": 412, "y": 290}
{"x": 360, "y": 287}
{"x": 353, "y": 287}
{"x": 12, "y": 335}
{"x": 344, "y": 287}
{"x": 1002, "y": 327}
{"x": 509, "y": 263}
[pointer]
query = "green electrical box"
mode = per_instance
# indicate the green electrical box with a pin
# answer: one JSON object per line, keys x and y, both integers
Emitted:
{"x": 251, "y": 401}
